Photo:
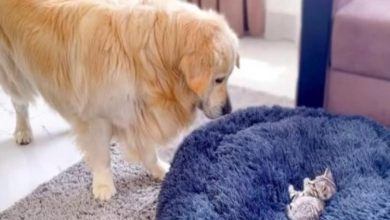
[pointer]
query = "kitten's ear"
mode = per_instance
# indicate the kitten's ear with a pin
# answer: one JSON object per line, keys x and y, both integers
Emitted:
{"x": 328, "y": 174}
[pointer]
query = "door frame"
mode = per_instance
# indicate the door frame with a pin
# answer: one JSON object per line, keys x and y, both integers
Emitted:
{"x": 314, "y": 52}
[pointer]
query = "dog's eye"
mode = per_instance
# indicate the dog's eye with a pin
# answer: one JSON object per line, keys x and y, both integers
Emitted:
{"x": 219, "y": 80}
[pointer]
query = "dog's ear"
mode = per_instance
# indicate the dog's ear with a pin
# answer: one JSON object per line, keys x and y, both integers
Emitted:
{"x": 197, "y": 72}
{"x": 238, "y": 61}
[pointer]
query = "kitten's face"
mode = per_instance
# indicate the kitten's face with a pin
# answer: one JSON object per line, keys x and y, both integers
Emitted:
{"x": 325, "y": 192}
{"x": 324, "y": 185}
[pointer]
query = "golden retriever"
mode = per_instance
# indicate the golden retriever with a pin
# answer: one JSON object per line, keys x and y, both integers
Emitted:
{"x": 134, "y": 70}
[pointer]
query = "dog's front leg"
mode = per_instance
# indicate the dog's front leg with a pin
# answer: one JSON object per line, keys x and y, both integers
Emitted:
{"x": 22, "y": 134}
{"x": 141, "y": 148}
{"x": 151, "y": 161}
{"x": 93, "y": 137}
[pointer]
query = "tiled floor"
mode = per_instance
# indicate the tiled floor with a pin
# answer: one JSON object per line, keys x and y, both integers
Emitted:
{"x": 23, "y": 168}
{"x": 270, "y": 67}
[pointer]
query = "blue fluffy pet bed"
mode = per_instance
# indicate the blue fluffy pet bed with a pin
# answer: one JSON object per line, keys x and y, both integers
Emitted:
{"x": 239, "y": 167}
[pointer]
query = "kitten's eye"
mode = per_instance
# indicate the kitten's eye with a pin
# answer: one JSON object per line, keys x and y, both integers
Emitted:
{"x": 219, "y": 80}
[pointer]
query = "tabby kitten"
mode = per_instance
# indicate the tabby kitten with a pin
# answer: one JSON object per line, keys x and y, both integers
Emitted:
{"x": 309, "y": 204}
{"x": 322, "y": 187}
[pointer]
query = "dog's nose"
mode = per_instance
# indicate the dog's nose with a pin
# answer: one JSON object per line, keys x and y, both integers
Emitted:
{"x": 227, "y": 108}
{"x": 200, "y": 105}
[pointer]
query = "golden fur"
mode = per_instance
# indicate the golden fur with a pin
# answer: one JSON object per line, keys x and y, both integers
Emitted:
{"x": 131, "y": 69}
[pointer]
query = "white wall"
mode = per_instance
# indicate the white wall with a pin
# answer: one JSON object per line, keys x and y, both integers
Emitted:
{"x": 283, "y": 20}
{"x": 287, "y": 6}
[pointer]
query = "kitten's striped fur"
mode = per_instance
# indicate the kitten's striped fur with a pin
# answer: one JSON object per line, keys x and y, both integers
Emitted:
{"x": 310, "y": 203}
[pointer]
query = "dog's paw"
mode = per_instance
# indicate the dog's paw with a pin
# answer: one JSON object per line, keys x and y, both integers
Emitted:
{"x": 23, "y": 137}
{"x": 103, "y": 187}
{"x": 103, "y": 191}
{"x": 161, "y": 169}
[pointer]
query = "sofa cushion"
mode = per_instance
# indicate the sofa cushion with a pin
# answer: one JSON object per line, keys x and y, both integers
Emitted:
{"x": 338, "y": 4}
{"x": 361, "y": 38}
{"x": 352, "y": 94}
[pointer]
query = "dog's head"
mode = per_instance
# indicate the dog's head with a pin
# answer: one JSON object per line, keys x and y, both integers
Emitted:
{"x": 213, "y": 53}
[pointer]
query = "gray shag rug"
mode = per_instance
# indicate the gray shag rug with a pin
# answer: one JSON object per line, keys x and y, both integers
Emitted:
{"x": 69, "y": 195}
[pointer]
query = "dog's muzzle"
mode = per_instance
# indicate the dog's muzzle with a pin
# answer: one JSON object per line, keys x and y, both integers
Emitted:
{"x": 227, "y": 108}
